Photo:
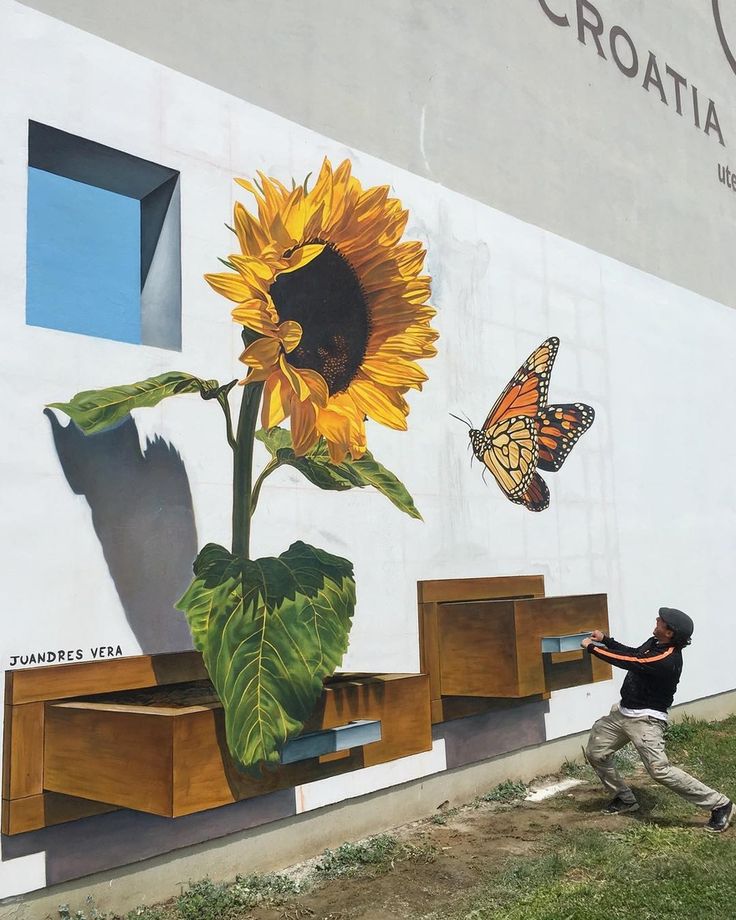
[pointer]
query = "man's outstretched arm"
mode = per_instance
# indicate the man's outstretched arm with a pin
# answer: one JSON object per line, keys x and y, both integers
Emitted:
{"x": 631, "y": 662}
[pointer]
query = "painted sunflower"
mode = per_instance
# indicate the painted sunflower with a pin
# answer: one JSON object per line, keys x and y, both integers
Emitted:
{"x": 339, "y": 304}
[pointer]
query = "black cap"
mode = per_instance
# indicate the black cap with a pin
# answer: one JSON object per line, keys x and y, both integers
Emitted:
{"x": 678, "y": 621}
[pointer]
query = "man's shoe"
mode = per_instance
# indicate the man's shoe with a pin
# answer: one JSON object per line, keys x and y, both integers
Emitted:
{"x": 720, "y": 818}
{"x": 618, "y": 806}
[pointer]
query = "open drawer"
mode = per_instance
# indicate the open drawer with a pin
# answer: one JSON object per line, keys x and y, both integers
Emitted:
{"x": 172, "y": 760}
{"x": 148, "y": 733}
{"x": 518, "y": 648}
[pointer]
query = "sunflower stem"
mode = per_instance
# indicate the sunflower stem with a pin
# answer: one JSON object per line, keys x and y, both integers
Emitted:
{"x": 243, "y": 468}
{"x": 267, "y": 470}
{"x": 222, "y": 398}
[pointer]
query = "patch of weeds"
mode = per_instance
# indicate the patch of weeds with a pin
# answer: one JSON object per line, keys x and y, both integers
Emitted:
{"x": 147, "y": 913}
{"x": 626, "y": 760}
{"x": 266, "y": 888}
{"x": 206, "y": 900}
{"x": 506, "y": 792}
{"x": 682, "y": 732}
{"x": 90, "y": 913}
{"x": 443, "y": 816}
{"x": 380, "y": 853}
{"x": 377, "y": 855}
{"x": 575, "y": 769}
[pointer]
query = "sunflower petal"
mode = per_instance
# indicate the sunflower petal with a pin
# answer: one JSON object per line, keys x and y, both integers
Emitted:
{"x": 318, "y": 391}
{"x": 342, "y": 426}
{"x": 375, "y": 402}
{"x": 258, "y": 315}
{"x": 394, "y": 372}
{"x": 229, "y": 285}
{"x": 276, "y": 399}
{"x": 294, "y": 215}
{"x": 251, "y": 237}
{"x": 254, "y": 319}
{"x": 290, "y": 334}
{"x": 256, "y": 376}
{"x": 248, "y": 186}
{"x": 297, "y": 383}
{"x": 263, "y": 354}
{"x": 303, "y": 427}
{"x": 256, "y": 273}
{"x": 250, "y": 266}
{"x": 302, "y": 256}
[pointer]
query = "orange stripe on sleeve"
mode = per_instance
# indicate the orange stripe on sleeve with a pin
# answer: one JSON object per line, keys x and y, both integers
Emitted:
{"x": 608, "y": 654}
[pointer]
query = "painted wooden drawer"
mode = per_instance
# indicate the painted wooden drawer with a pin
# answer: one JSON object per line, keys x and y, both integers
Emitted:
{"x": 172, "y": 760}
{"x": 497, "y": 648}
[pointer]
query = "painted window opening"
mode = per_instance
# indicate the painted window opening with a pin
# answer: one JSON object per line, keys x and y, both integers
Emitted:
{"x": 103, "y": 241}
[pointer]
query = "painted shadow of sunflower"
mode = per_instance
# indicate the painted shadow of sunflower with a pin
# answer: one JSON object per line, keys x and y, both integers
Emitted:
{"x": 339, "y": 303}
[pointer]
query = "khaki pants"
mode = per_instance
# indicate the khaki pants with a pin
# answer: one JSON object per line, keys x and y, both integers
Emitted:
{"x": 613, "y": 731}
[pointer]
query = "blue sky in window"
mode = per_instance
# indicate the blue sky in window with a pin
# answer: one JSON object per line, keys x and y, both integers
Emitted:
{"x": 83, "y": 258}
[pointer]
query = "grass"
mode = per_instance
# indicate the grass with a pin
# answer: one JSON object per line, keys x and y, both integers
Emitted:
{"x": 658, "y": 866}
{"x": 642, "y": 873}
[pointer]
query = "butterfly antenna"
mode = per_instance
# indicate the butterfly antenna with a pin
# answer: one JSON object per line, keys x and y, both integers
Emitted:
{"x": 461, "y": 420}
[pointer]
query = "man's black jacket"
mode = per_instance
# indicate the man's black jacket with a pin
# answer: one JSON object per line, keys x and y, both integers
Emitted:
{"x": 654, "y": 672}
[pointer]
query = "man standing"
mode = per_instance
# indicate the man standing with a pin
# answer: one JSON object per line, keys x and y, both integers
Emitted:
{"x": 641, "y": 717}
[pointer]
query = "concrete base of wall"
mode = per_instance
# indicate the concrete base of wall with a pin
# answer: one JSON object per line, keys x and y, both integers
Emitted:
{"x": 284, "y": 843}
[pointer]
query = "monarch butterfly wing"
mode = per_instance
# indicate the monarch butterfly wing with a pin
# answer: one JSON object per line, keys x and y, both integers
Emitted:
{"x": 559, "y": 428}
{"x": 536, "y": 495}
{"x": 526, "y": 392}
{"x": 510, "y": 452}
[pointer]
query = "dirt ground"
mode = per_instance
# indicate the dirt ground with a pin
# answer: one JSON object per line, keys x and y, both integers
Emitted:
{"x": 475, "y": 839}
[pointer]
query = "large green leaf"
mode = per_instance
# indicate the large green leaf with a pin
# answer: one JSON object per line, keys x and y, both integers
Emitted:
{"x": 95, "y": 410}
{"x": 270, "y": 630}
{"x": 319, "y": 470}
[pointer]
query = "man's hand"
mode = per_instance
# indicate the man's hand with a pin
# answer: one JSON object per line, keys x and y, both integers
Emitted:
{"x": 595, "y": 636}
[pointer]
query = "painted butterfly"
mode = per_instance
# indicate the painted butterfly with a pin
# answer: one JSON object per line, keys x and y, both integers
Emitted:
{"x": 522, "y": 434}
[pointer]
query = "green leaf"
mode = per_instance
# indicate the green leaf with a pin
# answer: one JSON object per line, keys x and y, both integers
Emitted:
{"x": 315, "y": 467}
{"x": 373, "y": 473}
{"x": 96, "y": 410}
{"x": 270, "y": 630}
{"x": 319, "y": 470}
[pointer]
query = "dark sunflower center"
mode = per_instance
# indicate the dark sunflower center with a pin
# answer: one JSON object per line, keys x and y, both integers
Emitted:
{"x": 325, "y": 298}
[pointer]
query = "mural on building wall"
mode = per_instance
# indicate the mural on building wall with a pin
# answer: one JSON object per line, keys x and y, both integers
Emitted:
{"x": 335, "y": 315}
{"x": 523, "y": 435}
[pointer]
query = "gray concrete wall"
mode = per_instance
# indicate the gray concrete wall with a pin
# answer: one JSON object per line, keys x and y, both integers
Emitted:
{"x": 283, "y": 843}
{"x": 493, "y": 99}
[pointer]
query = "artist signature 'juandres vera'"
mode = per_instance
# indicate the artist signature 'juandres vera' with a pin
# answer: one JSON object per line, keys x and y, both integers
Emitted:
{"x": 64, "y": 656}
